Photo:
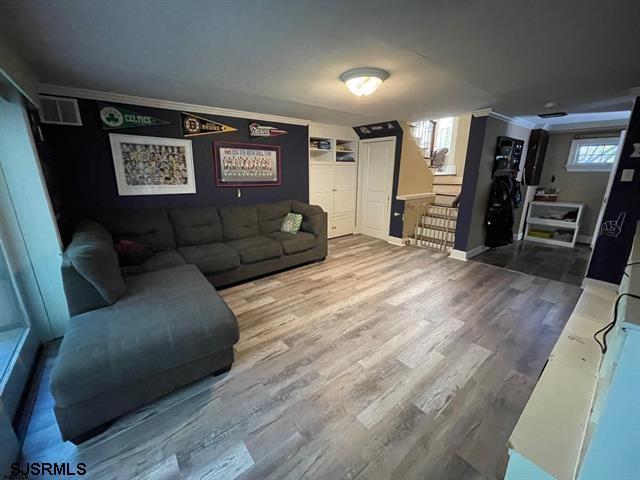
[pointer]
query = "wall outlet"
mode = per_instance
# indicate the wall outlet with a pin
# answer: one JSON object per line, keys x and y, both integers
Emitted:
{"x": 627, "y": 175}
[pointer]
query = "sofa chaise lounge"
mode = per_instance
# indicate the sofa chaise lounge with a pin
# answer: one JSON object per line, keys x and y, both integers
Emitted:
{"x": 137, "y": 332}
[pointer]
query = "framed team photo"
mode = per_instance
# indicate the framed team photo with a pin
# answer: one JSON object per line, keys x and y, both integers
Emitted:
{"x": 246, "y": 164}
{"x": 152, "y": 165}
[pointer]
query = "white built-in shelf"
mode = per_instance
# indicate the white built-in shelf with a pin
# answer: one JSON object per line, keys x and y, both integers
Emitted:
{"x": 540, "y": 217}
{"x": 553, "y": 223}
{"x": 338, "y": 151}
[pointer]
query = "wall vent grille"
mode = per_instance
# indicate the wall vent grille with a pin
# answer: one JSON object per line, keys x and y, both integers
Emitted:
{"x": 59, "y": 111}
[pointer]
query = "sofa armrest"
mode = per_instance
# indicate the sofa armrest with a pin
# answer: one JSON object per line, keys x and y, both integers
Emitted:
{"x": 315, "y": 224}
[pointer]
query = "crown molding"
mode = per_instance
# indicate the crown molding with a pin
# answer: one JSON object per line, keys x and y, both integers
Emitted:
{"x": 601, "y": 125}
{"x": 488, "y": 112}
{"x": 154, "y": 102}
{"x": 481, "y": 113}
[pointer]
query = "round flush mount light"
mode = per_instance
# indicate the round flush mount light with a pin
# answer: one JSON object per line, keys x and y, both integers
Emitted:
{"x": 364, "y": 81}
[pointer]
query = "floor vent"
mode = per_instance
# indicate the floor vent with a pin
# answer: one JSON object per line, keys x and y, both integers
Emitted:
{"x": 59, "y": 111}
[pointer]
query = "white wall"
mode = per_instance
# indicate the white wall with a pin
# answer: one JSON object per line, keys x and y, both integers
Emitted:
{"x": 14, "y": 69}
{"x": 325, "y": 130}
{"x": 28, "y": 224}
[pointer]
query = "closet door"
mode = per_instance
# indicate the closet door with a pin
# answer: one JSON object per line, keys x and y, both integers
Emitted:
{"x": 321, "y": 187}
{"x": 345, "y": 179}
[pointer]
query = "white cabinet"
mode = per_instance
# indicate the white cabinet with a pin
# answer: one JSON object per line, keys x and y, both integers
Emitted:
{"x": 333, "y": 186}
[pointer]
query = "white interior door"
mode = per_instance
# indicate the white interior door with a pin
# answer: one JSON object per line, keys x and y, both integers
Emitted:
{"x": 607, "y": 192}
{"x": 377, "y": 158}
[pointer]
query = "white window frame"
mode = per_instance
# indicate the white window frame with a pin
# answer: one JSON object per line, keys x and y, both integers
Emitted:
{"x": 594, "y": 167}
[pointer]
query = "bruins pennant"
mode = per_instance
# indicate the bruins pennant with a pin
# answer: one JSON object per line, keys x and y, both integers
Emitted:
{"x": 193, "y": 125}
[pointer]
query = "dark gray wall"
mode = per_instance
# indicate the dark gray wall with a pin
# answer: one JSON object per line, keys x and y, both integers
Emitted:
{"x": 470, "y": 183}
{"x": 610, "y": 254}
{"x": 81, "y": 158}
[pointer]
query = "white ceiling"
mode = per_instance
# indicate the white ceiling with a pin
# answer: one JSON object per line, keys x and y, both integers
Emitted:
{"x": 284, "y": 57}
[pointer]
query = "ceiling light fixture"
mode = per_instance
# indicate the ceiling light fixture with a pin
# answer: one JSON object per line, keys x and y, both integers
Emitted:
{"x": 552, "y": 115}
{"x": 364, "y": 81}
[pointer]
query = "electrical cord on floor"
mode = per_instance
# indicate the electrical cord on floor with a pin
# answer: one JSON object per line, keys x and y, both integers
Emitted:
{"x": 607, "y": 328}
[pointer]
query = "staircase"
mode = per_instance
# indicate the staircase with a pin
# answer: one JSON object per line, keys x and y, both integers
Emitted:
{"x": 436, "y": 225}
{"x": 446, "y": 188}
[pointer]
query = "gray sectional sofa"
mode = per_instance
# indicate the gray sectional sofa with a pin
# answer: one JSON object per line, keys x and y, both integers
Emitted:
{"x": 137, "y": 332}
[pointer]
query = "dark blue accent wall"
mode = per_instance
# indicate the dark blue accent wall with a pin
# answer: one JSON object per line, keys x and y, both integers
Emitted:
{"x": 611, "y": 253}
{"x": 477, "y": 132}
{"x": 81, "y": 158}
{"x": 389, "y": 129}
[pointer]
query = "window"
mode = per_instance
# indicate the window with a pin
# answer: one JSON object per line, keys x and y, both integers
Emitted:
{"x": 431, "y": 135}
{"x": 592, "y": 154}
{"x": 444, "y": 130}
{"x": 424, "y": 133}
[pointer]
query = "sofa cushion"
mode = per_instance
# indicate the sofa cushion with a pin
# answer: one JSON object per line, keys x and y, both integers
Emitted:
{"x": 256, "y": 249}
{"x": 159, "y": 261}
{"x": 90, "y": 266}
{"x": 239, "y": 222}
{"x": 167, "y": 319}
{"x": 196, "y": 226}
{"x": 301, "y": 242}
{"x": 211, "y": 258}
{"x": 150, "y": 228}
{"x": 270, "y": 215}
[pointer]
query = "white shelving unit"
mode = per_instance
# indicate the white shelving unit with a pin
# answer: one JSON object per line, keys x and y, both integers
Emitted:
{"x": 548, "y": 217}
{"x": 333, "y": 179}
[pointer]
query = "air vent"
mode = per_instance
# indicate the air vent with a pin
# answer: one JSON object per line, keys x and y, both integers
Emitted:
{"x": 59, "y": 111}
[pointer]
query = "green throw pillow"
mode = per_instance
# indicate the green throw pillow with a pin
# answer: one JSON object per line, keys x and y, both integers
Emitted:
{"x": 291, "y": 223}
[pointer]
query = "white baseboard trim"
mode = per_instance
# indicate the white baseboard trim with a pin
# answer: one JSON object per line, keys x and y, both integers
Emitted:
{"x": 395, "y": 241}
{"x": 518, "y": 236}
{"x": 592, "y": 282}
{"x": 477, "y": 251}
{"x": 458, "y": 254}
{"x": 584, "y": 239}
{"x": 462, "y": 255}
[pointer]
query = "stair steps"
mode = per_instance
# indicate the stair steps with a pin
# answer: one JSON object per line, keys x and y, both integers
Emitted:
{"x": 434, "y": 242}
{"x": 444, "y": 200}
{"x": 435, "y": 235}
{"x": 447, "y": 180}
{"x": 436, "y": 228}
{"x": 446, "y": 189}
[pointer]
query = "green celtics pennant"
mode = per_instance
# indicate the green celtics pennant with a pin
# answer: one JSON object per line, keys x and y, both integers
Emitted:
{"x": 193, "y": 125}
{"x": 113, "y": 116}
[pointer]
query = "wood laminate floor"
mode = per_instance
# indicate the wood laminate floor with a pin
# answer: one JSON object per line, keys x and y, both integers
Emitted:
{"x": 381, "y": 362}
